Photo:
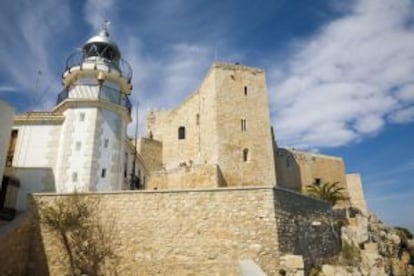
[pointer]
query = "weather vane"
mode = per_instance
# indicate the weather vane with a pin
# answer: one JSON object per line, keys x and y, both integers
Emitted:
{"x": 105, "y": 25}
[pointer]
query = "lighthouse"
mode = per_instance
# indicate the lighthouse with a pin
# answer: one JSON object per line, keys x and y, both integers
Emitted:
{"x": 92, "y": 154}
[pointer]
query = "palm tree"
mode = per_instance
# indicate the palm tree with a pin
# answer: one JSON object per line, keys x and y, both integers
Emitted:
{"x": 327, "y": 191}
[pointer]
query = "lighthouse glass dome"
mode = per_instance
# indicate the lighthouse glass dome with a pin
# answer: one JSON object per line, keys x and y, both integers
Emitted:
{"x": 100, "y": 51}
{"x": 97, "y": 72}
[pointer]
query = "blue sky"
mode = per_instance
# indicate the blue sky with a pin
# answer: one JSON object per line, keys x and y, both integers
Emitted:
{"x": 340, "y": 74}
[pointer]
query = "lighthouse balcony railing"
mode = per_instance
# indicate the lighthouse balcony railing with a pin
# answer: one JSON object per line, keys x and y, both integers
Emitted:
{"x": 79, "y": 59}
{"x": 95, "y": 92}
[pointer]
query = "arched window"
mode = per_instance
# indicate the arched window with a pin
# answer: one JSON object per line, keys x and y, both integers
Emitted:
{"x": 181, "y": 133}
{"x": 245, "y": 155}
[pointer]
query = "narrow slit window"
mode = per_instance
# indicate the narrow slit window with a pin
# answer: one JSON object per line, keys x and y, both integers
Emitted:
{"x": 82, "y": 116}
{"x": 181, "y": 133}
{"x": 245, "y": 155}
{"x": 103, "y": 173}
{"x": 245, "y": 90}
{"x": 198, "y": 119}
{"x": 243, "y": 125}
{"x": 78, "y": 146}
{"x": 106, "y": 143}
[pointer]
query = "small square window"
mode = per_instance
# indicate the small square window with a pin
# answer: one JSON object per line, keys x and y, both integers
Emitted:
{"x": 82, "y": 116}
{"x": 74, "y": 177}
{"x": 103, "y": 173}
{"x": 181, "y": 133}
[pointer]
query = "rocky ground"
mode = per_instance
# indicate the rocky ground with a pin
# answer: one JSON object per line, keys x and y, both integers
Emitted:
{"x": 371, "y": 248}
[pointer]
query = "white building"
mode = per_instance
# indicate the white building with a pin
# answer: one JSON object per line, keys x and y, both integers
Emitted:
{"x": 82, "y": 143}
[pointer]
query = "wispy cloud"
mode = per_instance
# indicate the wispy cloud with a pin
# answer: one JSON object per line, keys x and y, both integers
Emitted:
{"x": 8, "y": 88}
{"x": 97, "y": 11}
{"x": 349, "y": 80}
{"x": 28, "y": 30}
{"x": 403, "y": 115}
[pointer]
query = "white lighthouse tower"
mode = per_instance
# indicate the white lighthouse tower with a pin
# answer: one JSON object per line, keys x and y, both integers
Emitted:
{"x": 92, "y": 141}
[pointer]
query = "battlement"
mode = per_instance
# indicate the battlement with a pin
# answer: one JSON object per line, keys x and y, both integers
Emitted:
{"x": 236, "y": 66}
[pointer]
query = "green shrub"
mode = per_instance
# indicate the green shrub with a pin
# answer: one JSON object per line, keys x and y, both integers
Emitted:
{"x": 87, "y": 243}
{"x": 350, "y": 253}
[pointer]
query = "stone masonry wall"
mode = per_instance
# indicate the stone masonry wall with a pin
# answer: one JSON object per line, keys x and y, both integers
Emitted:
{"x": 197, "y": 232}
{"x": 196, "y": 176}
{"x": 151, "y": 151}
{"x": 226, "y": 122}
{"x": 245, "y": 153}
{"x": 305, "y": 227}
{"x": 297, "y": 169}
{"x": 354, "y": 184}
{"x": 15, "y": 240}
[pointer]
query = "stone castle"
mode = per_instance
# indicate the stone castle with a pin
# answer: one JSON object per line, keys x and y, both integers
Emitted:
{"x": 211, "y": 185}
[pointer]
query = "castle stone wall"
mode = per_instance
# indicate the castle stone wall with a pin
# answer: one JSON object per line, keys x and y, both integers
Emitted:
{"x": 202, "y": 232}
{"x": 151, "y": 151}
{"x": 297, "y": 169}
{"x": 354, "y": 184}
{"x": 225, "y": 117}
{"x": 305, "y": 227}
{"x": 197, "y": 114}
{"x": 197, "y": 176}
{"x": 15, "y": 241}
{"x": 243, "y": 120}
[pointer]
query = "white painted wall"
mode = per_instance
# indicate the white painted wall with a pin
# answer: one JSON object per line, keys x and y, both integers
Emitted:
{"x": 6, "y": 122}
{"x": 32, "y": 180}
{"x": 111, "y": 158}
{"x": 78, "y": 127}
{"x": 34, "y": 145}
{"x": 83, "y": 151}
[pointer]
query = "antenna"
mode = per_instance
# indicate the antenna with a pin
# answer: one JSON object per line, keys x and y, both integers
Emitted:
{"x": 39, "y": 73}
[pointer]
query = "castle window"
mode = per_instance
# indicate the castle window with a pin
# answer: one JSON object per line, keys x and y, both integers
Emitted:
{"x": 317, "y": 181}
{"x": 245, "y": 155}
{"x": 78, "y": 145}
{"x": 198, "y": 119}
{"x": 74, "y": 176}
{"x": 245, "y": 90}
{"x": 82, "y": 116}
{"x": 181, "y": 133}
{"x": 243, "y": 125}
{"x": 106, "y": 143}
{"x": 103, "y": 173}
